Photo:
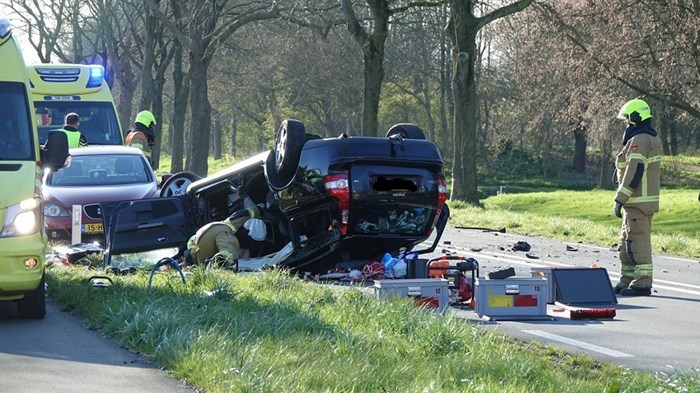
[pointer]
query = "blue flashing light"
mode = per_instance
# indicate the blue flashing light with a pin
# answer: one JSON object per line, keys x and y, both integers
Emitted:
{"x": 5, "y": 27}
{"x": 97, "y": 76}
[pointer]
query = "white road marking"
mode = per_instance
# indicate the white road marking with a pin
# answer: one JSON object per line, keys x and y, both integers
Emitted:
{"x": 676, "y": 258}
{"x": 580, "y": 344}
{"x": 589, "y": 246}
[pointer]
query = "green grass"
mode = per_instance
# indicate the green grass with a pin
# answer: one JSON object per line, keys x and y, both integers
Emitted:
{"x": 214, "y": 165}
{"x": 585, "y": 216}
{"x": 272, "y": 332}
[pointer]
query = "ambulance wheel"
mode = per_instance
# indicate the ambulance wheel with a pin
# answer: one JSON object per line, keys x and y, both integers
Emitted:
{"x": 177, "y": 184}
{"x": 406, "y": 130}
{"x": 33, "y": 305}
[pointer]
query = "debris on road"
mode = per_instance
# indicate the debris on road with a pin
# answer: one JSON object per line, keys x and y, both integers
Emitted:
{"x": 521, "y": 246}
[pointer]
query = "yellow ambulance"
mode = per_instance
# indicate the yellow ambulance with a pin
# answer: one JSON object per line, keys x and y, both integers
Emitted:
{"x": 22, "y": 161}
{"x": 59, "y": 89}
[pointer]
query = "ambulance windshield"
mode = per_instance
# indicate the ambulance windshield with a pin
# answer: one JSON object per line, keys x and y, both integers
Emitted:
{"x": 16, "y": 139}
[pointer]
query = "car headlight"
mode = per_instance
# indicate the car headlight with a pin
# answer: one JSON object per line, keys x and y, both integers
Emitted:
{"x": 22, "y": 218}
{"x": 51, "y": 210}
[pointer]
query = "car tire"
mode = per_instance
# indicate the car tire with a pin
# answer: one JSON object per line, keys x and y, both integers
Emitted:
{"x": 406, "y": 130}
{"x": 177, "y": 184}
{"x": 281, "y": 167}
{"x": 33, "y": 306}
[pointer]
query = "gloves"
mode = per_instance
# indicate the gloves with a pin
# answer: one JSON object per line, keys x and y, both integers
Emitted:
{"x": 618, "y": 209}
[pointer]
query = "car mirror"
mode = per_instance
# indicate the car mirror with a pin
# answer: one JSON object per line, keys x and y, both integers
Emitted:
{"x": 54, "y": 153}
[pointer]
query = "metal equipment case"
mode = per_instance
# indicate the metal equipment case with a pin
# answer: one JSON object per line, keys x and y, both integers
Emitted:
{"x": 511, "y": 298}
{"x": 428, "y": 292}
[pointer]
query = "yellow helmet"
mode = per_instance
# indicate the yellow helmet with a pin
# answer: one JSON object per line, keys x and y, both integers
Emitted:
{"x": 635, "y": 111}
{"x": 146, "y": 118}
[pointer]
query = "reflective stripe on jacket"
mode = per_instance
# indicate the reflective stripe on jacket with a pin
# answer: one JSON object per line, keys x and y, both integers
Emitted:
{"x": 138, "y": 139}
{"x": 639, "y": 173}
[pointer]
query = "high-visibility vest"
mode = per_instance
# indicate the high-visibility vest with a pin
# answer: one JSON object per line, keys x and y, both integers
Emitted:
{"x": 73, "y": 137}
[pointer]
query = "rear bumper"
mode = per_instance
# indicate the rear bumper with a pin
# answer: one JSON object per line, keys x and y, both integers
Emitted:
{"x": 15, "y": 279}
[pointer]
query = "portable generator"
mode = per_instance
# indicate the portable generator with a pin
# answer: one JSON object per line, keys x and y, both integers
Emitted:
{"x": 453, "y": 268}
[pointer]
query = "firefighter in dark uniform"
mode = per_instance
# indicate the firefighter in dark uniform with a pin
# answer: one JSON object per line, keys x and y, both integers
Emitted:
{"x": 637, "y": 198}
{"x": 216, "y": 242}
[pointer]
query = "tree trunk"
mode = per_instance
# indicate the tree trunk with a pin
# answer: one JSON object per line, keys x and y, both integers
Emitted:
{"x": 157, "y": 109}
{"x": 427, "y": 105}
{"x": 216, "y": 136}
{"x": 201, "y": 116}
{"x": 147, "y": 66}
{"x": 445, "y": 91}
{"x": 177, "y": 127}
{"x": 77, "y": 34}
{"x": 274, "y": 109}
{"x": 672, "y": 130}
{"x": 605, "y": 181}
{"x": 234, "y": 131}
{"x": 374, "y": 76}
{"x": 126, "y": 96}
{"x": 580, "y": 145}
{"x": 261, "y": 136}
{"x": 464, "y": 182}
{"x": 373, "y": 53}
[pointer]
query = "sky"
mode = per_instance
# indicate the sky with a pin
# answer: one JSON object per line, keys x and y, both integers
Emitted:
{"x": 30, "y": 56}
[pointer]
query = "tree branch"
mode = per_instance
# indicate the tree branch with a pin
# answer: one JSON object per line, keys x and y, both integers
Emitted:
{"x": 179, "y": 35}
{"x": 502, "y": 12}
{"x": 670, "y": 98}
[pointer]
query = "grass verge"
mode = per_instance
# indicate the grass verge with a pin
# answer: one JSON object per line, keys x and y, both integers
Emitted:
{"x": 271, "y": 332}
{"x": 585, "y": 216}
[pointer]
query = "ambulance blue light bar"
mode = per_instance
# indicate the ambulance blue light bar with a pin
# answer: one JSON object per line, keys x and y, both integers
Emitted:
{"x": 97, "y": 76}
{"x": 5, "y": 28}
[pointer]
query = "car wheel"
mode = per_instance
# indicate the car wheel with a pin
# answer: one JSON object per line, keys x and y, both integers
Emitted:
{"x": 406, "y": 130}
{"x": 177, "y": 184}
{"x": 288, "y": 144}
{"x": 33, "y": 305}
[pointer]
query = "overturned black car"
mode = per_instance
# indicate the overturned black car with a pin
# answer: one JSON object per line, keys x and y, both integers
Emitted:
{"x": 326, "y": 200}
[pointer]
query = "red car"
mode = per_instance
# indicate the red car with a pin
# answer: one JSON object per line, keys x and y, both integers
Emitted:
{"x": 96, "y": 174}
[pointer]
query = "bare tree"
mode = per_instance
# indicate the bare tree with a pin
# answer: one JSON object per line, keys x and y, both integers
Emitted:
{"x": 210, "y": 24}
{"x": 45, "y": 25}
{"x": 464, "y": 26}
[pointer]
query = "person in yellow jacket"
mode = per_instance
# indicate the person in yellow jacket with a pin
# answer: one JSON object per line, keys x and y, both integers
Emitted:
{"x": 75, "y": 137}
{"x": 216, "y": 242}
{"x": 638, "y": 166}
{"x": 142, "y": 135}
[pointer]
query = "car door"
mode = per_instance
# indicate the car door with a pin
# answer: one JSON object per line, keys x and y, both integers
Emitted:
{"x": 145, "y": 225}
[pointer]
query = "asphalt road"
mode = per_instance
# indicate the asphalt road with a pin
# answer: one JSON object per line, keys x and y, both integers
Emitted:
{"x": 653, "y": 333}
{"x": 58, "y": 354}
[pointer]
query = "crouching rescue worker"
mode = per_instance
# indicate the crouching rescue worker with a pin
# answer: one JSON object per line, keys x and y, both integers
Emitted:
{"x": 216, "y": 242}
{"x": 637, "y": 199}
